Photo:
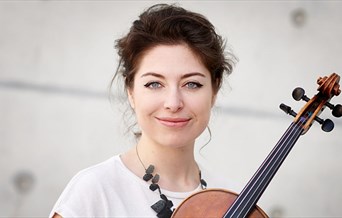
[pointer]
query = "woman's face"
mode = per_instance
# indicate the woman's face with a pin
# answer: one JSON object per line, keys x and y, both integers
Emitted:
{"x": 172, "y": 96}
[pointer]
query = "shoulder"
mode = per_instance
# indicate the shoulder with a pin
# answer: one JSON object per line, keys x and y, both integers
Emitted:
{"x": 87, "y": 187}
{"x": 96, "y": 172}
{"x": 107, "y": 189}
{"x": 91, "y": 178}
{"x": 100, "y": 168}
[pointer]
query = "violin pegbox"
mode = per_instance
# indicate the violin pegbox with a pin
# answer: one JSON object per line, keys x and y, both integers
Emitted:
{"x": 327, "y": 89}
{"x": 333, "y": 88}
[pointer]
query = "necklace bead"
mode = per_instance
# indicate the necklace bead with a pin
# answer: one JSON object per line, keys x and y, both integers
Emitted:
{"x": 163, "y": 207}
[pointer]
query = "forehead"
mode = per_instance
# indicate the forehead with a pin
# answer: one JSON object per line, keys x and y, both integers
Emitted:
{"x": 171, "y": 59}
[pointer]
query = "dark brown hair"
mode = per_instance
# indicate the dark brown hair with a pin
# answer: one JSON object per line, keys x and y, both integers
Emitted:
{"x": 164, "y": 24}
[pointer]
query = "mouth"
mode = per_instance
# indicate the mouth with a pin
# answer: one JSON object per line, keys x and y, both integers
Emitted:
{"x": 173, "y": 122}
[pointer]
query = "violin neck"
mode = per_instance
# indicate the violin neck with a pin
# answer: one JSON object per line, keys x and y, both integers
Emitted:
{"x": 249, "y": 196}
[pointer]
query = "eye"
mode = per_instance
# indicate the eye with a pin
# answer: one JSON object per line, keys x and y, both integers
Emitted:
{"x": 193, "y": 85}
{"x": 153, "y": 85}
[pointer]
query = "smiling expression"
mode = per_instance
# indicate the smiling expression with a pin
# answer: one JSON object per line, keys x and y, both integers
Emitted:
{"x": 172, "y": 96}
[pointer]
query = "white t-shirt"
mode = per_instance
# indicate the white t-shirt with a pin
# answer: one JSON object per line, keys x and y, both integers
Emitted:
{"x": 110, "y": 189}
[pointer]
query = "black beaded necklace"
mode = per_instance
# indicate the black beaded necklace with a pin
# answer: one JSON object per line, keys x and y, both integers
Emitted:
{"x": 163, "y": 207}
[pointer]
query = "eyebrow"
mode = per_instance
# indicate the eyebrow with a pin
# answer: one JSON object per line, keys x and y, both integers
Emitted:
{"x": 183, "y": 76}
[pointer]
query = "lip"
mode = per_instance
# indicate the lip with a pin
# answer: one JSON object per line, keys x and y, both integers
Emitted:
{"x": 173, "y": 122}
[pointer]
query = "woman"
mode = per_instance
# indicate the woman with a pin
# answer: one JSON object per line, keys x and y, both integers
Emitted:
{"x": 172, "y": 63}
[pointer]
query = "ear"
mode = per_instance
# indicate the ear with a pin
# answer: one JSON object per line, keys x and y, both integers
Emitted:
{"x": 130, "y": 97}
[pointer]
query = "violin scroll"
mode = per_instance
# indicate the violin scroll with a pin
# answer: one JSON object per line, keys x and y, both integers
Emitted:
{"x": 328, "y": 88}
{"x": 329, "y": 85}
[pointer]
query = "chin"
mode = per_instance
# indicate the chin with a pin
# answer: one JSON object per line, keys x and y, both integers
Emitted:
{"x": 176, "y": 141}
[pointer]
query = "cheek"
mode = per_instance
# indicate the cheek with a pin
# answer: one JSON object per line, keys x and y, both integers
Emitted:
{"x": 202, "y": 106}
{"x": 145, "y": 105}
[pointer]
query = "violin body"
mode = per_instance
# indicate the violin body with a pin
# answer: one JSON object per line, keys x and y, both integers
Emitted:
{"x": 206, "y": 204}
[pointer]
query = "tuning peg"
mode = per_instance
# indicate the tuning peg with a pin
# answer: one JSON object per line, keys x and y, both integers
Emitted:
{"x": 287, "y": 110}
{"x": 327, "y": 125}
{"x": 299, "y": 94}
{"x": 336, "y": 109}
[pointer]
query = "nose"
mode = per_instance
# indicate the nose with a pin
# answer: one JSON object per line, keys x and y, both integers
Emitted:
{"x": 173, "y": 100}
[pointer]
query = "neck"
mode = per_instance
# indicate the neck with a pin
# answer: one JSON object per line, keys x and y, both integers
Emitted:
{"x": 176, "y": 165}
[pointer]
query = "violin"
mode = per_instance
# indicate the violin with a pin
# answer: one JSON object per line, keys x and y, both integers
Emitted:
{"x": 224, "y": 203}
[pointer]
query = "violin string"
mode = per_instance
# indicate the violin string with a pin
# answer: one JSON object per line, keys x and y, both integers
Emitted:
{"x": 278, "y": 157}
{"x": 275, "y": 162}
{"x": 294, "y": 128}
{"x": 261, "y": 175}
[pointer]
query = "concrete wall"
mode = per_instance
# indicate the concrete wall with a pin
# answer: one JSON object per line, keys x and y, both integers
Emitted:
{"x": 57, "y": 59}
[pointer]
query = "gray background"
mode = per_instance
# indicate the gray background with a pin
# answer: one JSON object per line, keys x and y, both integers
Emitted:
{"x": 57, "y": 59}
